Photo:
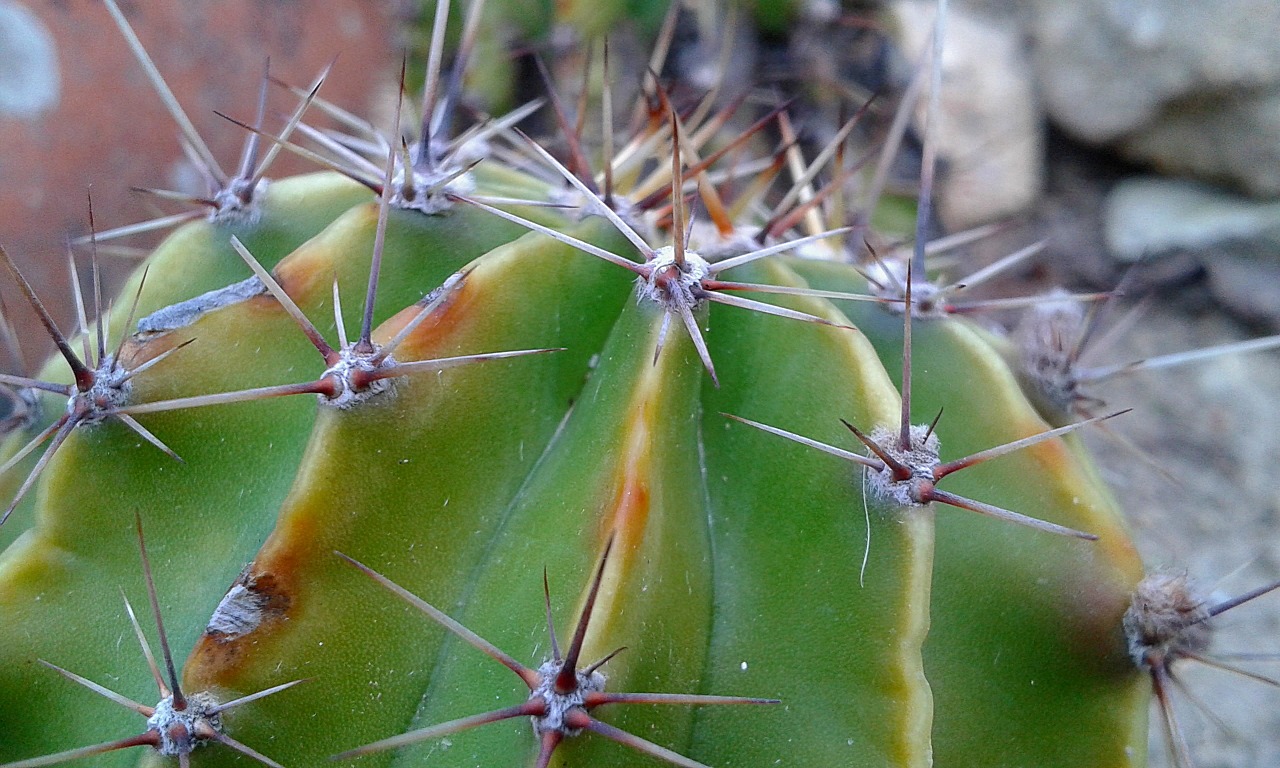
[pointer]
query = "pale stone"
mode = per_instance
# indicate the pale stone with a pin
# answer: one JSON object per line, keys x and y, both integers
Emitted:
{"x": 1147, "y": 216}
{"x": 990, "y": 127}
{"x": 1189, "y": 87}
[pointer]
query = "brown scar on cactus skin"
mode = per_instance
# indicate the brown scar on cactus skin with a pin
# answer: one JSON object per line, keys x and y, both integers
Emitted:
{"x": 1167, "y": 622}
{"x": 253, "y": 600}
{"x": 273, "y": 586}
{"x": 179, "y": 723}
{"x": 561, "y": 694}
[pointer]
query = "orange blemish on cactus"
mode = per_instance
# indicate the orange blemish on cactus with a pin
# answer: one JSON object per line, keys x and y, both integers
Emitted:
{"x": 629, "y": 511}
{"x": 258, "y": 606}
{"x": 625, "y": 520}
{"x": 308, "y": 271}
{"x": 431, "y": 337}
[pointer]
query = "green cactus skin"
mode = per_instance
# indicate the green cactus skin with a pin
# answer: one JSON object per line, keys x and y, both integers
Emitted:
{"x": 840, "y": 645}
{"x": 221, "y": 361}
{"x": 877, "y": 638}
{"x": 197, "y": 258}
{"x": 62, "y": 578}
{"x": 445, "y": 509}
{"x": 737, "y": 563}
{"x": 625, "y": 461}
{"x": 1065, "y": 648}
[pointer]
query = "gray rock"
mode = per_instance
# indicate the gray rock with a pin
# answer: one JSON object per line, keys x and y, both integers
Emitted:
{"x": 1147, "y": 216}
{"x": 1248, "y": 287}
{"x": 1193, "y": 87}
{"x": 1232, "y": 136}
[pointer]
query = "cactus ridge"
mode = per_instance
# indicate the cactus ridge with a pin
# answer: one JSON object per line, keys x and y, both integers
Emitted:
{"x": 561, "y": 696}
{"x": 102, "y": 382}
{"x": 178, "y": 723}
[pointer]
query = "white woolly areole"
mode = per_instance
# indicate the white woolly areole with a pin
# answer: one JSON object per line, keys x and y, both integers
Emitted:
{"x": 1046, "y": 339}
{"x": 428, "y": 196}
{"x": 560, "y": 704}
{"x": 177, "y": 729}
{"x": 1166, "y": 620}
{"x": 472, "y": 150}
{"x": 713, "y": 247}
{"x": 889, "y": 278}
{"x": 350, "y": 361}
{"x": 111, "y": 388}
{"x": 921, "y": 457}
{"x": 673, "y": 286}
{"x": 233, "y": 206}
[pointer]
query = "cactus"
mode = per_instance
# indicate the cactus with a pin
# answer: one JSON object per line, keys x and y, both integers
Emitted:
{"x": 542, "y": 397}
